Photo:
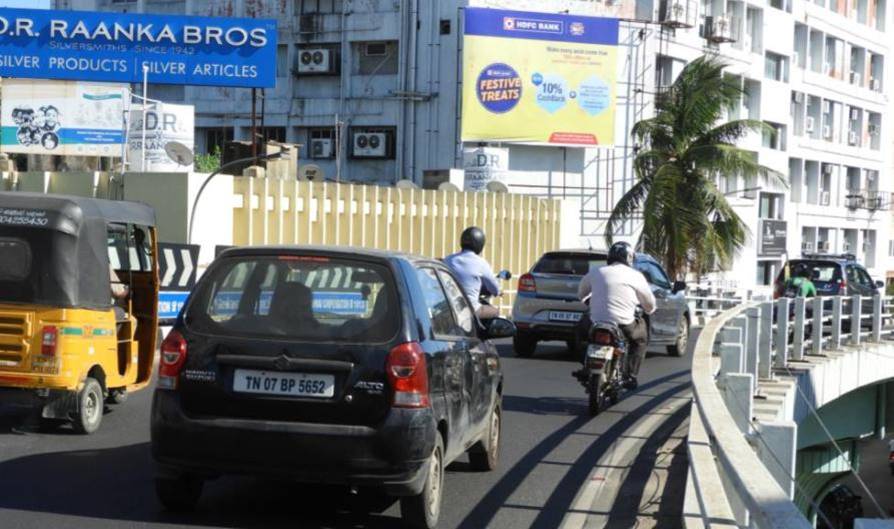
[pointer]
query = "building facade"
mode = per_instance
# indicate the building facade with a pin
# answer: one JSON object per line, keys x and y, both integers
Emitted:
{"x": 371, "y": 89}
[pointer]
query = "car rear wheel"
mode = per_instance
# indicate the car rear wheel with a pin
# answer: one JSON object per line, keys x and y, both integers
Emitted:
{"x": 423, "y": 510}
{"x": 91, "y": 405}
{"x": 179, "y": 494}
{"x": 682, "y": 342}
{"x": 485, "y": 455}
{"x": 524, "y": 345}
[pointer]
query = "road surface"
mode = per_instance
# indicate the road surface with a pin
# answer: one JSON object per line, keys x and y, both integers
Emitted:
{"x": 559, "y": 467}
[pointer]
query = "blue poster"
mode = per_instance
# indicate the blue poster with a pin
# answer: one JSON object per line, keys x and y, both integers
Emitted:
{"x": 114, "y": 47}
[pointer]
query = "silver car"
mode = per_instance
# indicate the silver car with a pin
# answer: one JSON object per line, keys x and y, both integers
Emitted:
{"x": 547, "y": 307}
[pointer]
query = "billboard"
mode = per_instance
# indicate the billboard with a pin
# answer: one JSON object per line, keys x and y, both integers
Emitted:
{"x": 164, "y": 123}
{"x": 483, "y": 165}
{"x": 538, "y": 78}
{"x": 114, "y": 47}
{"x": 62, "y": 117}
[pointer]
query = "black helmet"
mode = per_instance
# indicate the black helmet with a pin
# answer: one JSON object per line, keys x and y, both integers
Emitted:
{"x": 472, "y": 239}
{"x": 802, "y": 270}
{"x": 621, "y": 252}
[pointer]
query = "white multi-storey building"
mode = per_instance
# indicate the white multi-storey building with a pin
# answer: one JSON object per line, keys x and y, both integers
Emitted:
{"x": 386, "y": 74}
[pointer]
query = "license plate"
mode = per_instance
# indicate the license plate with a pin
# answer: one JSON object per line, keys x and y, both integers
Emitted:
{"x": 564, "y": 316}
{"x": 283, "y": 384}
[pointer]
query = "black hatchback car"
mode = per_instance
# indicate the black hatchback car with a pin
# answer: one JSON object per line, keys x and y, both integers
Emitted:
{"x": 344, "y": 366}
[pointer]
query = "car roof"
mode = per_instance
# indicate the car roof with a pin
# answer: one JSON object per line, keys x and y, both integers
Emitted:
{"x": 640, "y": 256}
{"x": 346, "y": 251}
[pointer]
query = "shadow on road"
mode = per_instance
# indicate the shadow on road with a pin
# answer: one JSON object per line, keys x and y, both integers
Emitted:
{"x": 115, "y": 484}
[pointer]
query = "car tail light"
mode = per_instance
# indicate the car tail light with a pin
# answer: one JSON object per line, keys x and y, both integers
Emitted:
{"x": 173, "y": 356}
{"x": 408, "y": 375}
{"x": 602, "y": 338}
{"x": 526, "y": 283}
{"x": 842, "y": 288}
{"x": 49, "y": 340}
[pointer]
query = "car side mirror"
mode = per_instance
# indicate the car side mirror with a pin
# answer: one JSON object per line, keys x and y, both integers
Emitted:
{"x": 679, "y": 286}
{"x": 879, "y": 284}
{"x": 498, "y": 328}
{"x": 505, "y": 275}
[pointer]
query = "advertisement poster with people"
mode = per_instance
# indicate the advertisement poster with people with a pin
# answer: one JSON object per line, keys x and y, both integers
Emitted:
{"x": 62, "y": 117}
{"x": 538, "y": 78}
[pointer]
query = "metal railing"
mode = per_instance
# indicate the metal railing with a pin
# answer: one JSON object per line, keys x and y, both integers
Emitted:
{"x": 730, "y": 484}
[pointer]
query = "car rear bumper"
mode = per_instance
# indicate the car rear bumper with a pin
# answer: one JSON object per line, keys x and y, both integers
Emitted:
{"x": 391, "y": 455}
{"x": 532, "y": 317}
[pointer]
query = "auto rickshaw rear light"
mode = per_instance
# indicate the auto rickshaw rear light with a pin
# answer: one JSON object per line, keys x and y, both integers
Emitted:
{"x": 526, "y": 283}
{"x": 173, "y": 356}
{"x": 408, "y": 376}
{"x": 49, "y": 340}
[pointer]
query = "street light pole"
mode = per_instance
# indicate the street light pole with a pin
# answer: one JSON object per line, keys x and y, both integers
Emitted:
{"x": 256, "y": 159}
{"x": 145, "y": 94}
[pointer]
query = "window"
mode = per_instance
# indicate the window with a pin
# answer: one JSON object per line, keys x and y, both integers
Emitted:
{"x": 770, "y": 206}
{"x": 465, "y": 317}
{"x": 442, "y": 322}
{"x": 654, "y": 274}
{"x": 774, "y": 136}
{"x": 297, "y": 297}
{"x": 15, "y": 259}
{"x": 277, "y": 134}
{"x": 573, "y": 264}
{"x": 217, "y": 138}
{"x": 129, "y": 248}
{"x": 776, "y": 67}
{"x": 376, "y": 58}
{"x": 282, "y": 60}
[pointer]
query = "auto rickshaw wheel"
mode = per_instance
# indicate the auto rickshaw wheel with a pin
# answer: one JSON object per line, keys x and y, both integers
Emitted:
{"x": 88, "y": 416}
{"x": 117, "y": 396}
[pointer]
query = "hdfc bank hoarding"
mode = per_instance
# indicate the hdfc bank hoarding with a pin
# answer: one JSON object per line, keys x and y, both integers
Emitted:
{"x": 538, "y": 78}
{"x": 114, "y": 47}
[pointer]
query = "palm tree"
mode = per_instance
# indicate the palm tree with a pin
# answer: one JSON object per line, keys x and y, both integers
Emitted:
{"x": 686, "y": 221}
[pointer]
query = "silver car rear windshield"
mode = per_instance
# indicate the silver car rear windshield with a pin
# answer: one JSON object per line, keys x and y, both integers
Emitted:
{"x": 302, "y": 298}
{"x": 566, "y": 263}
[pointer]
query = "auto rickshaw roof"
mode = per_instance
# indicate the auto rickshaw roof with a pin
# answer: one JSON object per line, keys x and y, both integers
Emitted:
{"x": 59, "y": 211}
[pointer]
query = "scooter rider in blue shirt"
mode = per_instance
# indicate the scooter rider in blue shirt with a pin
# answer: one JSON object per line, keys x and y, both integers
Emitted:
{"x": 475, "y": 275}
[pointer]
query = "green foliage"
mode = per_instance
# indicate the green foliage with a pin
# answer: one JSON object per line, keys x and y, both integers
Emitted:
{"x": 687, "y": 222}
{"x": 208, "y": 163}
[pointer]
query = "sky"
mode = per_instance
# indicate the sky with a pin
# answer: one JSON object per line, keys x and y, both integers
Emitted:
{"x": 33, "y": 4}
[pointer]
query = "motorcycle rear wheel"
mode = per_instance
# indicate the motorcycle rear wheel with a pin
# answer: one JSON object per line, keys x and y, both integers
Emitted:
{"x": 598, "y": 395}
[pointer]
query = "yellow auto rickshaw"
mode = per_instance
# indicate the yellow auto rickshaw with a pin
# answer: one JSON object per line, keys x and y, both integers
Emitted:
{"x": 78, "y": 304}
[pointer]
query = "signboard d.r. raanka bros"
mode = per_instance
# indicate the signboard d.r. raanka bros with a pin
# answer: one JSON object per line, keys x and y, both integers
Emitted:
{"x": 538, "y": 78}
{"x": 115, "y": 47}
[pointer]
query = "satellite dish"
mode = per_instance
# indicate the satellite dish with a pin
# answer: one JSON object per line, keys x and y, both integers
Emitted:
{"x": 311, "y": 172}
{"x": 406, "y": 184}
{"x": 495, "y": 186}
{"x": 449, "y": 186}
{"x": 179, "y": 153}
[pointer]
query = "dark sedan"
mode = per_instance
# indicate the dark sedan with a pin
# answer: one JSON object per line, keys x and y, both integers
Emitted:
{"x": 344, "y": 366}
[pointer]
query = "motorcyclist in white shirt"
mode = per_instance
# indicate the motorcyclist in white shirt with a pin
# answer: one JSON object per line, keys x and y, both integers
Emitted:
{"x": 616, "y": 291}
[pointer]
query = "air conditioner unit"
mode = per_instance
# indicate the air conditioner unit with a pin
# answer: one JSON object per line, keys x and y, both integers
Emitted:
{"x": 720, "y": 29}
{"x": 855, "y": 114}
{"x": 827, "y": 169}
{"x": 823, "y": 246}
{"x": 808, "y": 124}
{"x": 853, "y": 138}
{"x": 875, "y": 84}
{"x": 315, "y": 60}
{"x": 855, "y": 78}
{"x": 806, "y": 247}
{"x": 322, "y": 148}
{"x": 825, "y": 198}
{"x": 827, "y": 131}
{"x": 370, "y": 145}
{"x": 798, "y": 97}
{"x": 677, "y": 15}
{"x": 872, "y": 129}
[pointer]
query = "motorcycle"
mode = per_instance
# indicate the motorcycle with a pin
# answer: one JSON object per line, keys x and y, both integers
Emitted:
{"x": 484, "y": 298}
{"x": 605, "y": 363}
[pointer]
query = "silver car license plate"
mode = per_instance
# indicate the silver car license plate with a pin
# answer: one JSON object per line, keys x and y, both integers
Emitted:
{"x": 556, "y": 315}
{"x": 283, "y": 384}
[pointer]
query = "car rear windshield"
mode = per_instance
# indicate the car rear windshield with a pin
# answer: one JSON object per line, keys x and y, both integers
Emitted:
{"x": 303, "y": 298}
{"x": 822, "y": 273}
{"x": 575, "y": 264}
